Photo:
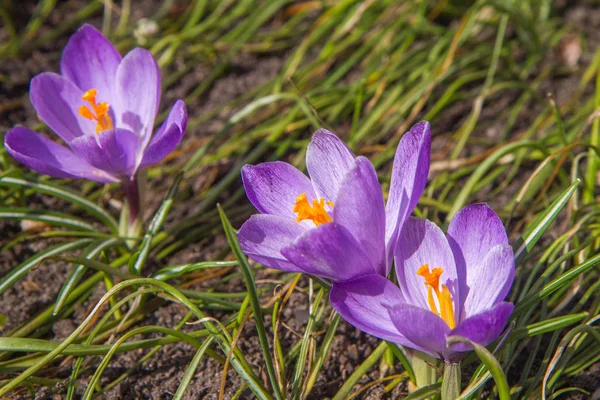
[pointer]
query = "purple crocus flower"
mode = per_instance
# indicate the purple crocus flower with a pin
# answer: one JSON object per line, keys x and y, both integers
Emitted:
{"x": 103, "y": 106}
{"x": 333, "y": 225}
{"x": 450, "y": 284}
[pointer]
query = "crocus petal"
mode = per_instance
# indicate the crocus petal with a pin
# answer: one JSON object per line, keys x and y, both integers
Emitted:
{"x": 483, "y": 328}
{"x": 409, "y": 176}
{"x": 421, "y": 327}
{"x": 273, "y": 187}
{"x": 263, "y": 236}
{"x": 113, "y": 151}
{"x": 365, "y": 304}
{"x": 47, "y": 157}
{"x": 90, "y": 61}
{"x": 491, "y": 282}
{"x": 329, "y": 251}
{"x": 138, "y": 85}
{"x": 472, "y": 233}
{"x": 57, "y": 100}
{"x": 328, "y": 159}
{"x": 168, "y": 136}
{"x": 359, "y": 208}
{"x": 423, "y": 242}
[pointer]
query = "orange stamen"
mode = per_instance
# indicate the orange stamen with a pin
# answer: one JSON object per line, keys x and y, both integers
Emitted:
{"x": 98, "y": 112}
{"x": 444, "y": 298}
{"x": 315, "y": 212}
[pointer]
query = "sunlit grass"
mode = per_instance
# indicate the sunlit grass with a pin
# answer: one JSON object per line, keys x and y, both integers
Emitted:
{"x": 367, "y": 71}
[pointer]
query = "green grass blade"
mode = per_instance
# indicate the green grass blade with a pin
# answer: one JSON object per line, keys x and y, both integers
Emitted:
{"x": 155, "y": 225}
{"x": 177, "y": 271}
{"x": 191, "y": 369}
{"x": 301, "y": 360}
{"x": 490, "y": 362}
{"x": 48, "y": 217}
{"x": 22, "y": 269}
{"x": 65, "y": 194}
{"x": 254, "y": 302}
{"x": 77, "y": 273}
{"x": 362, "y": 369}
{"x": 535, "y": 231}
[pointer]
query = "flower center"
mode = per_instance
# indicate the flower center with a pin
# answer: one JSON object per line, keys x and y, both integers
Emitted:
{"x": 96, "y": 112}
{"x": 315, "y": 212}
{"x": 444, "y": 298}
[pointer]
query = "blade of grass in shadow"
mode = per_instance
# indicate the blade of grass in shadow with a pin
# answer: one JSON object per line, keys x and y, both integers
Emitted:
{"x": 251, "y": 286}
{"x": 566, "y": 348}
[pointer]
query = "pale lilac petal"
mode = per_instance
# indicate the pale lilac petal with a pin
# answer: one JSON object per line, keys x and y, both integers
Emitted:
{"x": 472, "y": 233}
{"x": 113, "y": 151}
{"x": 90, "y": 61}
{"x": 329, "y": 251}
{"x": 138, "y": 85}
{"x": 491, "y": 282}
{"x": 409, "y": 176}
{"x": 328, "y": 159}
{"x": 365, "y": 302}
{"x": 421, "y": 327}
{"x": 57, "y": 101}
{"x": 484, "y": 327}
{"x": 47, "y": 157}
{"x": 263, "y": 236}
{"x": 168, "y": 136}
{"x": 423, "y": 242}
{"x": 359, "y": 208}
{"x": 273, "y": 187}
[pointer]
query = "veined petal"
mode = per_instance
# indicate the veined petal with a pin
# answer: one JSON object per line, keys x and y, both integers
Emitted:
{"x": 113, "y": 151}
{"x": 263, "y": 236}
{"x": 422, "y": 242}
{"x": 472, "y": 233}
{"x": 409, "y": 176}
{"x": 359, "y": 208}
{"x": 168, "y": 136}
{"x": 328, "y": 159}
{"x": 57, "y": 100}
{"x": 365, "y": 302}
{"x": 329, "y": 251}
{"x": 50, "y": 158}
{"x": 421, "y": 327}
{"x": 272, "y": 187}
{"x": 490, "y": 282}
{"x": 138, "y": 85}
{"x": 484, "y": 327}
{"x": 90, "y": 61}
